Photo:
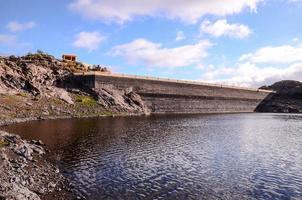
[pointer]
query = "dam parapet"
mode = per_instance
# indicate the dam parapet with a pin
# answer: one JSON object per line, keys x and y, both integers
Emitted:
{"x": 163, "y": 95}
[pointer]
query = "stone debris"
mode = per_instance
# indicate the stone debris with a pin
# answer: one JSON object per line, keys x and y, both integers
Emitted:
{"x": 24, "y": 174}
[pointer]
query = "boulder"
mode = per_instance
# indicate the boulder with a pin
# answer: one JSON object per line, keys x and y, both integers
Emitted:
{"x": 63, "y": 95}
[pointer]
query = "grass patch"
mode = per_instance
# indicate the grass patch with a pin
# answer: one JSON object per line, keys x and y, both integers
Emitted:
{"x": 10, "y": 98}
{"x": 106, "y": 113}
{"x": 56, "y": 101}
{"x": 7, "y": 116}
{"x": 85, "y": 100}
{"x": 22, "y": 94}
{"x": 3, "y": 143}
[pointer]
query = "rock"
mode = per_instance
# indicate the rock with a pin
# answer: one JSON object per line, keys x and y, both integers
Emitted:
{"x": 22, "y": 148}
{"x": 25, "y": 150}
{"x": 122, "y": 101}
{"x": 31, "y": 73}
{"x": 23, "y": 183}
{"x": 45, "y": 112}
{"x": 40, "y": 118}
{"x": 38, "y": 149}
{"x": 5, "y": 107}
{"x": 20, "y": 193}
{"x": 51, "y": 185}
{"x": 29, "y": 104}
{"x": 63, "y": 95}
{"x": 3, "y": 156}
{"x": 286, "y": 99}
{"x": 10, "y": 137}
{"x": 31, "y": 180}
{"x": 41, "y": 191}
{"x": 37, "y": 142}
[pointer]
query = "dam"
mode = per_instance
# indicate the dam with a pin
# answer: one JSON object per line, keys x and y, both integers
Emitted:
{"x": 179, "y": 96}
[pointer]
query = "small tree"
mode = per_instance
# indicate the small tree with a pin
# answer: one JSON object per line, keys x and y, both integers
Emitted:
{"x": 40, "y": 52}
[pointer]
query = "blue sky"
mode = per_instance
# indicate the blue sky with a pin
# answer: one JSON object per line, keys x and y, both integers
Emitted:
{"x": 247, "y": 42}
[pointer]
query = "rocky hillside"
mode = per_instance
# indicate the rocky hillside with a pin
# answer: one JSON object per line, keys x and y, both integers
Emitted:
{"x": 287, "y": 99}
{"x": 39, "y": 85}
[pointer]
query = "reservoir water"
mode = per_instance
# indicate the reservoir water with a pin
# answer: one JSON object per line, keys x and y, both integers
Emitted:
{"x": 227, "y": 156}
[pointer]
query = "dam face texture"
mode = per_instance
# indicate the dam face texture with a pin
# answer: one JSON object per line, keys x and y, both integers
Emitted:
{"x": 175, "y": 96}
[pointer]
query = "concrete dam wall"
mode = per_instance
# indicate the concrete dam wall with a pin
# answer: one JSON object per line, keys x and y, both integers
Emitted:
{"x": 176, "y": 96}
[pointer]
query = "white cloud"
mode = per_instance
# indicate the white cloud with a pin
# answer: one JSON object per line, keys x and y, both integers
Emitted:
{"x": 292, "y": 1}
{"x": 180, "y": 36}
{"x": 88, "y": 40}
{"x": 155, "y": 55}
{"x": 15, "y": 26}
{"x": 7, "y": 39}
{"x": 223, "y": 28}
{"x": 10, "y": 45}
{"x": 277, "y": 54}
{"x": 263, "y": 67}
{"x": 250, "y": 75}
{"x": 296, "y": 40}
{"x": 187, "y": 11}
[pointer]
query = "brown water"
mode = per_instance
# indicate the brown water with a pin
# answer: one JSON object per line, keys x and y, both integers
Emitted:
{"x": 235, "y": 156}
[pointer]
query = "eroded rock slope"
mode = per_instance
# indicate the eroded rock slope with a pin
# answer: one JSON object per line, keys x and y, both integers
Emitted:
{"x": 39, "y": 85}
{"x": 287, "y": 99}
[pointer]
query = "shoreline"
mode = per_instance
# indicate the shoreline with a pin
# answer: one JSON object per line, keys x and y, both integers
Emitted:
{"x": 27, "y": 172}
{"x": 10, "y": 155}
{"x": 33, "y": 159}
{"x": 29, "y": 119}
{"x": 4, "y": 123}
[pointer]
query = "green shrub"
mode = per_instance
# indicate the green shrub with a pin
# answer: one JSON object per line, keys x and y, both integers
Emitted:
{"x": 86, "y": 100}
{"x": 38, "y": 55}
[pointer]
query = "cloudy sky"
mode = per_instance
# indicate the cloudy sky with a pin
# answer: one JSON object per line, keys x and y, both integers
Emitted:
{"x": 238, "y": 42}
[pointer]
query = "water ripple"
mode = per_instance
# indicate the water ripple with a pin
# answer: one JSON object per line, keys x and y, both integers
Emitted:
{"x": 239, "y": 156}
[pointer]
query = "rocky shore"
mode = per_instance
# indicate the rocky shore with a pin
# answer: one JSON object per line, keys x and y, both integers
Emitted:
{"x": 25, "y": 173}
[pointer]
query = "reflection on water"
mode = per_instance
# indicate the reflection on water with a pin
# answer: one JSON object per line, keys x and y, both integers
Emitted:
{"x": 237, "y": 156}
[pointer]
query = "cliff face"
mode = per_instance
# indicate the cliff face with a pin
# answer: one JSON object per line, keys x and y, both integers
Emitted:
{"x": 39, "y": 85}
{"x": 287, "y": 99}
{"x": 32, "y": 73}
